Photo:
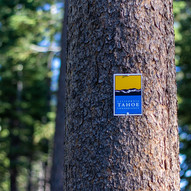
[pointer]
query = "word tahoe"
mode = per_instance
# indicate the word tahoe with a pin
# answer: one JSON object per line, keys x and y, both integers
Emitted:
{"x": 128, "y": 104}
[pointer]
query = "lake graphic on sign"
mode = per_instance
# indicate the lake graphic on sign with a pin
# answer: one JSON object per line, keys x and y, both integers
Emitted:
{"x": 127, "y": 94}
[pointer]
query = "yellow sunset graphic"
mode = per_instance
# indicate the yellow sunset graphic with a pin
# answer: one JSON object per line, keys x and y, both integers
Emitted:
{"x": 123, "y": 82}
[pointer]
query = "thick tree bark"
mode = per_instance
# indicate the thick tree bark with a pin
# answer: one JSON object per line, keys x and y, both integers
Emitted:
{"x": 58, "y": 155}
{"x": 103, "y": 152}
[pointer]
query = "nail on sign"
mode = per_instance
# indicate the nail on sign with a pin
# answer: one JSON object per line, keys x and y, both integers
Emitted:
{"x": 127, "y": 94}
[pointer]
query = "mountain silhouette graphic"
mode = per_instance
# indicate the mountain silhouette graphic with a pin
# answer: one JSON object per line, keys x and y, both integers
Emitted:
{"x": 126, "y": 92}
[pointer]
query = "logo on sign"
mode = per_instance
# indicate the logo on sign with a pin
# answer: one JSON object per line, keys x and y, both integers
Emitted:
{"x": 127, "y": 94}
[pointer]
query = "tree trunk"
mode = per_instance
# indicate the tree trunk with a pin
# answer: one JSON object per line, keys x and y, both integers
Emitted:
{"x": 13, "y": 179}
{"x": 58, "y": 155}
{"x": 29, "y": 183}
{"x": 13, "y": 175}
{"x": 103, "y": 152}
{"x": 13, "y": 156}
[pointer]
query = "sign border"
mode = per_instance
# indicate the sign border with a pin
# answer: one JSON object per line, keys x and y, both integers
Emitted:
{"x": 136, "y": 74}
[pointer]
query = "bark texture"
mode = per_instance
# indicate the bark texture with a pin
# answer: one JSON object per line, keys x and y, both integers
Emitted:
{"x": 133, "y": 153}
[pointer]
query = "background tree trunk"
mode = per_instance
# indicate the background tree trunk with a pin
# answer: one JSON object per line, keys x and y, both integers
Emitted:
{"x": 103, "y": 152}
{"x": 58, "y": 154}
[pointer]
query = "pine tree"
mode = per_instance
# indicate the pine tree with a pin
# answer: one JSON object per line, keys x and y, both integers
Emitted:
{"x": 103, "y": 152}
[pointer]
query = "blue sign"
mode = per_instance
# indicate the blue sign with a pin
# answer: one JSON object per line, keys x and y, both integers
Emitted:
{"x": 127, "y": 94}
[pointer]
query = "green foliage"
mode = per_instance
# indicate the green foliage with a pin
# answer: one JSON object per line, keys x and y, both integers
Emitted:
{"x": 26, "y": 116}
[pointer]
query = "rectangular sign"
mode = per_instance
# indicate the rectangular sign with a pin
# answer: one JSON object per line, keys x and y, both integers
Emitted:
{"x": 127, "y": 94}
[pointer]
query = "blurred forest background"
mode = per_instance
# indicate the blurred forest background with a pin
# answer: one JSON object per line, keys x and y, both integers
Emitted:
{"x": 30, "y": 33}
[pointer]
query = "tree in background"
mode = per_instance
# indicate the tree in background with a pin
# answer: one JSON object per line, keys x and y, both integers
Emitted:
{"x": 103, "y": 152}
{"x": 25, "y": 79}
{"x": 58, "y": 154}
{"x": 182, "y": 11}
